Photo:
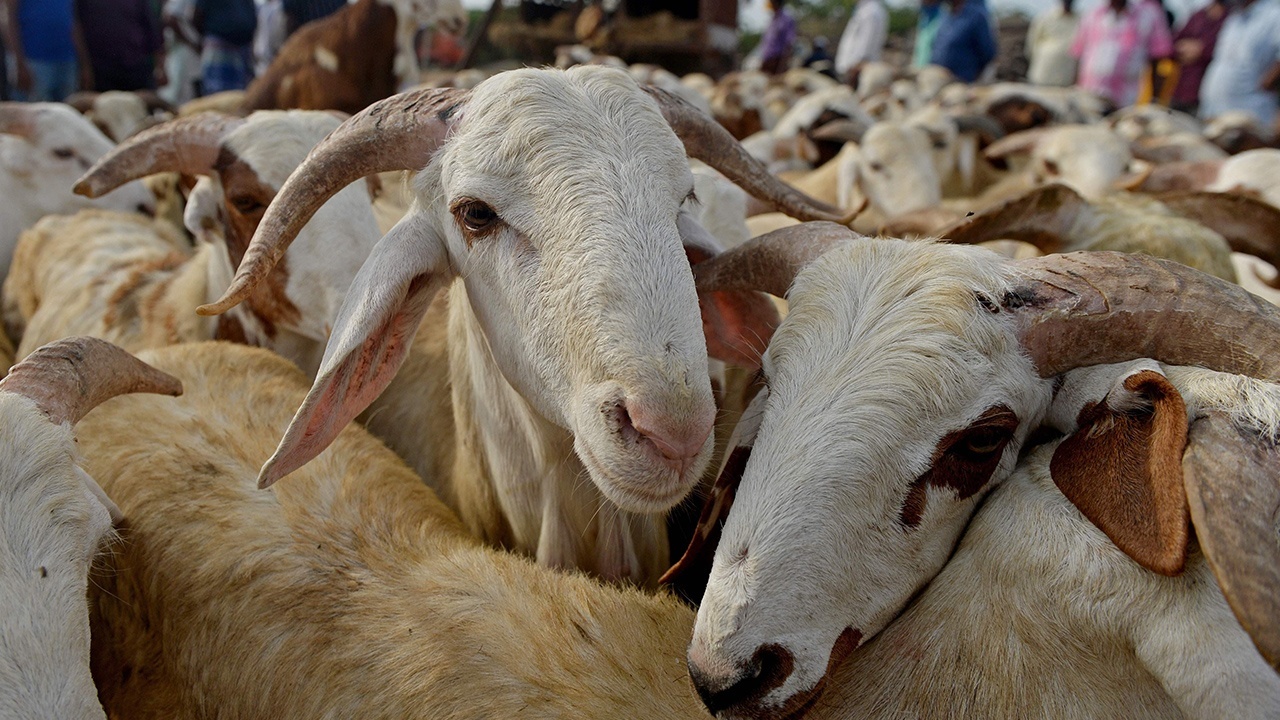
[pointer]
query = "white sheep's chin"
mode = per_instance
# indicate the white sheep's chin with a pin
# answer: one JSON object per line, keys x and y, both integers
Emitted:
{"x": 631, "y": 476}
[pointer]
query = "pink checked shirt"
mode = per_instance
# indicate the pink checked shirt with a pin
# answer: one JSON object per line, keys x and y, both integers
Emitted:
{"x": 1113, "y": 49}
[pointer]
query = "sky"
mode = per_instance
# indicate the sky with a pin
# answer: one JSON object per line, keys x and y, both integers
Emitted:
{"x": 753, "y": 14}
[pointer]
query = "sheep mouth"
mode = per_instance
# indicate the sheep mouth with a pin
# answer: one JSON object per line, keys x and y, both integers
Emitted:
{"x": 645, "y": 497}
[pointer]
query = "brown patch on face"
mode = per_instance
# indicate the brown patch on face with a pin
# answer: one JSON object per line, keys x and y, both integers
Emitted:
{"x": 1123, "y": 470}
{"x": 245, "y": 199}
{"x": 229, "y": 328}
{"x": 963, "y": 461}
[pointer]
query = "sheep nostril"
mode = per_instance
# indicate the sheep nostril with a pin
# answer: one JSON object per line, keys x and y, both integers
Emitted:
{"x": 768, "y": 669}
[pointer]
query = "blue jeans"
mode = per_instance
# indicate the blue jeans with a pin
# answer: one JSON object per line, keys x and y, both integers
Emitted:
{"x": 50, "y": 81}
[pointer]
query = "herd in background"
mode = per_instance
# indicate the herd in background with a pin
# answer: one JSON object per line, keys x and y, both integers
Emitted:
{"x": 923, "y": 477}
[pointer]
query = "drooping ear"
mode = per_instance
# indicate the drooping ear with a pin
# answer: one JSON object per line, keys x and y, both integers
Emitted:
{"x": 689, "y": 574}
{"x": 370, "y": 340}
{"x": 1122, "y": 468}
{"x": 95, "y": 491}
{"x": 1233, "y": 485}
{"x": 737, "y": 323}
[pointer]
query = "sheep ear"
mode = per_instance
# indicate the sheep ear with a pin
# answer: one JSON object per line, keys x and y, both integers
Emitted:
{"x": 95, "y": 491}
{"x": 849, "y": 179}
{"x": 1232, "y": 478}
{"x": 1122, "y": 469}
{"x": 371, "y": 338}
{"x": 737, "y": 323}
{"x": 690, "y": 573}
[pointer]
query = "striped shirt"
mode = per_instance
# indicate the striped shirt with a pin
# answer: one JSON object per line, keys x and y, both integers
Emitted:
{"x": 1113, "y": 49}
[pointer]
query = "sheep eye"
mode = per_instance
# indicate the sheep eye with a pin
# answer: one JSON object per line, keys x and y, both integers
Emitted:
{"x": 64, "y": 153}
{"x": 876, "y": 167}
{"x": 983, "y": 443}
{"x": 1051, "y": 167}
{"x": 246, "y": 204}
{"x": 474, "y": 215}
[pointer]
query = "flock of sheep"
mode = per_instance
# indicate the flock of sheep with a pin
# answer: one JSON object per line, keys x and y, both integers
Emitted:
{"x": 924, "y": 478}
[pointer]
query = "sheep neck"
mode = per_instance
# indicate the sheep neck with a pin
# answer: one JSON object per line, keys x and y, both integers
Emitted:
{"x": 512, "y": 463}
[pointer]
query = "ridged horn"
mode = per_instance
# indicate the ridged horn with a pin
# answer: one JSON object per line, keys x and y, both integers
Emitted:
{"x": 769, "y": 263}
{"x": 187, "y": 145}
{"x": 1043, "y": 217}
{"x": 1093, "y": 308}
{"x": 399, "y": 133}
{"x": 17, "y": 119}
{"x": 68, "y": 378}
{"x": 708, "y": 141}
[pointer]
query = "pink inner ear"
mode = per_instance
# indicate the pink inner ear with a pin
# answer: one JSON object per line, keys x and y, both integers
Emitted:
{"x": 738, "y": 325}
{"x": 343, "y": 393}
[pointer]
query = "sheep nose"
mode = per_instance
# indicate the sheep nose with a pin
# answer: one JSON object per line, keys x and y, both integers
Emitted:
{"x": 678, "y": 443}
{"x": 743, "y": 689}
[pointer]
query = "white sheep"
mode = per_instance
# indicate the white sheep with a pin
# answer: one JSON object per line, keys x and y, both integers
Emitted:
{"x": 117, "y": 277}
{"x": 44, "y": 147}
{"x": 120, "y": 114}
{"x": 577, "y": 361}
{"x": 874, "y": 451}
{"x": 53, "y": 520}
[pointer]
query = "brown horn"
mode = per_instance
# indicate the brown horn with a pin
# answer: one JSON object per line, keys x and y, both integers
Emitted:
{"x": 187, "y": 145}
{"x": 1043, "y": 217}
{"x": 68, "y": 378}
{"x": 708, "y": 141}
{"x": 769, "y": 263}
{"x": 399, "y": 133}
{"x": 1092, "y": 308}
{"x": 1019, "y": 142}
{"x": 1230, "y": 475}
{"x": 1249, "y": 225}
{"x": 17, "y": 119}
{"x": 843, "y": 130}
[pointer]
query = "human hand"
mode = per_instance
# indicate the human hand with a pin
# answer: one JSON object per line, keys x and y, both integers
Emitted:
{"x": 1188, "y": 50}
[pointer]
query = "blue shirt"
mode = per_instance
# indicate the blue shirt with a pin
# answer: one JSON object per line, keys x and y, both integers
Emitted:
{"x": 45, "y": 27}
{"x": 1248, "y": 44}
{"x": 965, "y": 43}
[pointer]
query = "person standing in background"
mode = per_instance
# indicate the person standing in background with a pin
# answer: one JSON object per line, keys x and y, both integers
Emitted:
{"x": 271, "y": 33}
{"x": 1193, "y": 47}
{"x": 182, "y": 58}
{"x": 863, "y": 38}
{"x": 300, "y": 12}
{"x": 931, "y": 16}
{"x": 226, "y": 55}
{"x": 1049, "y": 46}
{"x": 965, "y": 43}
{"x": 1116, "y": 43}
{"x": 779, "y": 39}
{"x": 48, "y": 50}
{"x": 125, "y": 44}
{"x": 1245, "y": 69}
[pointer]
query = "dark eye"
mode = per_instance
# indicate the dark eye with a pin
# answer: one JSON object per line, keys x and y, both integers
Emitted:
{"x": 1051, "y": 167}
{"x": 474, "y": 216}
{"x": 64, "y": 153}
{"x": 982, "y": 443}
{"x": 876, "y": 167}
{"x": 246, "y": 204}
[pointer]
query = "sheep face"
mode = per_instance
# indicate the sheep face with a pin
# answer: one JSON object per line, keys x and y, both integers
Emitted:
{"x": 563, "y": 227}
{"x": 294, "y": 311}
{"x": 49, "y": 147}
{"x": 894, "y": 168}
{"x": 1088, "y": 159}
{"x": 897, "y": 397}
{"x": 448, "y": 15}
{"x": 51, "y": 525}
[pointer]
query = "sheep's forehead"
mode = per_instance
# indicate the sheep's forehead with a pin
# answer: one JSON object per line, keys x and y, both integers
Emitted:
{"x": 566, "y": 133}
{"x": 906, "y": 331}
{"x": 273, "y": 143}
{"x": 61, "y": 126}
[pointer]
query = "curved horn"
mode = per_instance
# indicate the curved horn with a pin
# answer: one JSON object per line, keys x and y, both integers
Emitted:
{"x": 979, "y": 124}
{"x": 1043, "y": 217}
{"x": 1093, "y": 308}
{"x": 187, "y": 145}
{"x": 1180, "y": 177}
{"x": 1248, "y": 224}
{"x": 17, "y": 119}
{"x": 399, "y": 133}
{"x": 769, "y": 263}
{"x": 706, "y": 140}
{"x": 1230, "y": 477}
{"x": 68, "y": 378}
{"x": 1019, "y": 142}
{"x": 843, "y": 130}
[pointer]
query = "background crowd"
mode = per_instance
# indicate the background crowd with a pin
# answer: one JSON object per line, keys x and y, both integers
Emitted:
{"x": 1224, "y": 58}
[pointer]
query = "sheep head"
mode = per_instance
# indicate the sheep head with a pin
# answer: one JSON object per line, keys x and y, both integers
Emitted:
{"x": 53, "y": 518}
{"x": 900, "y": 389}
{"x": 241, "y": 164}
{"x": 566, "y": 228}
